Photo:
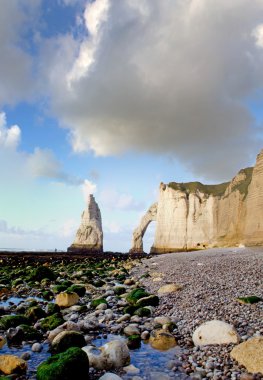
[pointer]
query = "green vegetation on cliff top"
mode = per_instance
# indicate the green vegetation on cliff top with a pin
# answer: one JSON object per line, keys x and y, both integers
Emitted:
{"x": 216, "y": 190}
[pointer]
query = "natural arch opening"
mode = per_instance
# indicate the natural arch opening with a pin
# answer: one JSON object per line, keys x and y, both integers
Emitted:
{"x": 138, "y": 233}
{"x": 148, "y": 237}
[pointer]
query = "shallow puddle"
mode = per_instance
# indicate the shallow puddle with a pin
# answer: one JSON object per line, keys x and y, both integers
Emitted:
{"x": 36, "y": 357}
{"x": 16, "y": 300}
{"x": 151, "y": 363}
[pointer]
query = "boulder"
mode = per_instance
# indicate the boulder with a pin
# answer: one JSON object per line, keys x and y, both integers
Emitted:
{"x": 215, "y": 332}
{"x": 169, "y": 288}
{"x": 67, "y": 299}
{"x": 162, "y": 320}
{"x": 52, "y": 322}
{"x": 131, "y": 330}
{"x": 114, "y": 354}
{"x": 67, "y": 339}
{"x": 35, "y": 313}
{"x": 13, "y": 321}
{"x": 250, "y": 354}
{"x": 71, "y": 364}
{"x": 10, "y": 364}
{"x": 162, "y": 340}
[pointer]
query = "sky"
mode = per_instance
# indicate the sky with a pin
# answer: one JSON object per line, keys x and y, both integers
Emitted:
{"x": 112, "y": 97}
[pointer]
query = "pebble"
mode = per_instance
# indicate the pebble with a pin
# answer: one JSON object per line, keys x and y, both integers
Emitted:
{"x": 37, "y": 347}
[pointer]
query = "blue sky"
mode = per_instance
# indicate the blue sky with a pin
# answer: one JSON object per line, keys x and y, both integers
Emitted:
{"x": 114, "y": 97}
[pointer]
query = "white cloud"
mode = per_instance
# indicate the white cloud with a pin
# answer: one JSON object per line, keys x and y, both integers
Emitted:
{"x": 9, "y": 136}
{"x": 94, "y": 15}
{"x": 17, "y": 18}
{"x": 258, "y": 35}
{"x": 88, "y": 187}
{"x": 166, "y": 77}
{"x": 112, "y": 199}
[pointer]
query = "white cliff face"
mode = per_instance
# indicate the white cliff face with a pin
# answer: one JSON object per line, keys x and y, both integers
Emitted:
{"x": 89, "y": 236}
{"x": 197, "y": 216}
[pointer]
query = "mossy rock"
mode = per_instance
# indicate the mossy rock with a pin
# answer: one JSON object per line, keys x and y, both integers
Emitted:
{"x": 32, "y": 303}
{"x": 249, "y": 299}
{"x": 30, "y": 333}
{"x": 129, "y": 309}
{"x": 13, "y": 321}
{"x": 151, "y": 300}
{"x": 121, "y": 277}
{"x": 51, "y": 322}
{"x": 59, "y": 288}
{"x": 118, "y": 290}
{"x": 98, "y": 283}
{"x": 79, "y": 289}
{"x": 97, "y": 302}
{"x": 69, "y": 365}
{"x": 35, "y": 313}
{"x": 66, "y": 340}
{"x": 41, "y": 273}
{"x": 66, "y": 283}
{"x": 52, "y": 308}
{"x": 47, "y": 295}
{"x": 134, "y": 341}
{"x": 143, "y": 312}
{"x": 135, "y": 295}
{"x": 17, "y": 281}
{"x": 170, "y": 326}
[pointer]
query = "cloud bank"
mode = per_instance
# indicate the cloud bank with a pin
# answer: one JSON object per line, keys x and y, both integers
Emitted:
{"x": 164, "y": 77}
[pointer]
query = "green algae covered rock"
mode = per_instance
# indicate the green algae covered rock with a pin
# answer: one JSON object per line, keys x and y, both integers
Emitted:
{"x": 13, "y": 321}
{"x": 249, "y": 299}
{"x": 118, "y": 290}
{"x": 59, "y": 288}
{"x": 134, "y": 341}
{"x": 40, "y": 273}
{"x": 129, "y": 309}
{"x": 66, "y": 339}
{"x": 143, "y": 312}
{"x": 135, "y": 295}
{"x": 30, "y": 333}
{"x": 151, "y": 300}
{"x": 35, "y": 313}
{"x": 51, "y": 322}
{"x": 97, "y": 302}
{"x": 52, "y": 308}
{"x": 70, "y": 365}
{"x": 79, "y": 289}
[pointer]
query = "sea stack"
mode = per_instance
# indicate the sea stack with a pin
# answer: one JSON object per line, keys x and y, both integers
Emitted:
{"x": 89, "y": 237}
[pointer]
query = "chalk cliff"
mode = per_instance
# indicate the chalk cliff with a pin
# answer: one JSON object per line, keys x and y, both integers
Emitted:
{"x": 196, "y": 216}
{"x": 89, "y": 236}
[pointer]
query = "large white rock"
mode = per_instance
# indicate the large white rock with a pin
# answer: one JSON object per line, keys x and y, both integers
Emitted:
{"x": 215, "y": 332}
{"x": 114, "y": 354}
{"x": 89, "y": 236}
{"x": 196, "y": 216}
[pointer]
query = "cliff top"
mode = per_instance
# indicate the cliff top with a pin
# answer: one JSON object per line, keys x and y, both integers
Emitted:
{"x": 218, "y": 189}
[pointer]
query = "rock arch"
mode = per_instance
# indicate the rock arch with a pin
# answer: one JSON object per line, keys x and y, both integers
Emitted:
{"x": 138, "y": 233}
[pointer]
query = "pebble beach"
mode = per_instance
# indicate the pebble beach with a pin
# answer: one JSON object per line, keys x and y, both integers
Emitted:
{"x": 211, "y": 282}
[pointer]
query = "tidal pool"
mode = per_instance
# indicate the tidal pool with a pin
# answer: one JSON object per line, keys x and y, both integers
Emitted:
{"x": 151, "y": 363}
